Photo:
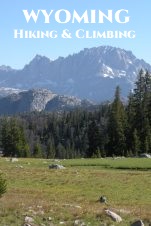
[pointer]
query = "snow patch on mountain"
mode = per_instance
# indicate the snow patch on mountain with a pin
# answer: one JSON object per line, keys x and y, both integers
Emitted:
{"x": 6, "y": 91}
{"x": 92, "y": 73}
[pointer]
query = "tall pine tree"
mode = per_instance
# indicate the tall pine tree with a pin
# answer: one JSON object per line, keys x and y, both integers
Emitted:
{"x": 139, "y": 113}
{"x": 117, "y": 126}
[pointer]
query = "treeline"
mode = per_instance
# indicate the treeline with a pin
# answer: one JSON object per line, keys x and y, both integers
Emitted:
{"x": 113, "y": 129}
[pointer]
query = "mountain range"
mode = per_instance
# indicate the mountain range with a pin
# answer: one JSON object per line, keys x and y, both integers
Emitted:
{"x": 90, "y": 74}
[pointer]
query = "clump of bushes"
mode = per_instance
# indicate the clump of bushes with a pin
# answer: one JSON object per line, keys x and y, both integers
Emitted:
{"x": 2, "y": 185}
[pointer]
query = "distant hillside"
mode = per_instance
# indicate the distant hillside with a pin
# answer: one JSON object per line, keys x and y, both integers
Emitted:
{"x": 39, "y": 100}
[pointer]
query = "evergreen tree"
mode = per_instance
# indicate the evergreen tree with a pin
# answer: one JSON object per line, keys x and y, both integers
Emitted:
{"x": 13, "y": 139}
{"x": 139, "y": 109}
{"x": 26, "y": 151}
{"x": 138, "y": 98}
{"x": 5, "y": 142}
{"x": 146, "y": 132}
{"x": 93, "y": 139}
{"x": 50, "y": 150}
{"x": 61, "y": 152}
{"x": 108, "y": 129}
{"x": 135, "y": 143}
{"x": 131, "y": 131}
{"x": 37, "y": 152}
{"x": 117, "y": 126}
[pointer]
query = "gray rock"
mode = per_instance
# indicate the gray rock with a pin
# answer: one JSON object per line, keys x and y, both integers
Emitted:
{"x": 138, "y": 223}
{"x": 79, "y": 222}
{"x": 145, "y": 155}
{"x": 29, "y": 220}
{"x": 26, "y": 101}
{"x": 13, "y": 160}
{"x": 103, "y": 199}
{"x": 56, "y": 166}
{"x": 49, "y": 218}
{"x": 113, "y": 215}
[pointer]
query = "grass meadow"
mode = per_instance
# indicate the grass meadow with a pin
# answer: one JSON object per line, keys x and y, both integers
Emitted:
{"x": 59, "y": 197}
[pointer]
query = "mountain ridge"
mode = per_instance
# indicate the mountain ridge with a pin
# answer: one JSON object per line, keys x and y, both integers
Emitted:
{"x": 39, "y": 100}
{"x": 92, "y": 73}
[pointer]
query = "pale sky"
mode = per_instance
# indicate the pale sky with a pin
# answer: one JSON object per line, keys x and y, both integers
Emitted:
{"x": 18, "y": 52}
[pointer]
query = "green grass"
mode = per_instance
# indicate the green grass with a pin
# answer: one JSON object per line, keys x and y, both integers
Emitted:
{"x": 72, "y": 193}
{"x": 112, "y": 163}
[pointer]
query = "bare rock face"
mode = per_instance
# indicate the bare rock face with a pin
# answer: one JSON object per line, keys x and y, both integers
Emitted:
{"x": 40, "y": 100}
{"x": 32, "y": 100}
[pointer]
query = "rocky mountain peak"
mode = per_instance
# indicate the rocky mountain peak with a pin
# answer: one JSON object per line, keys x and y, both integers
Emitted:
{"x": 93, "y": 73}
{"x": 39, "y": 58}
{"x": 38, "y": 62}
